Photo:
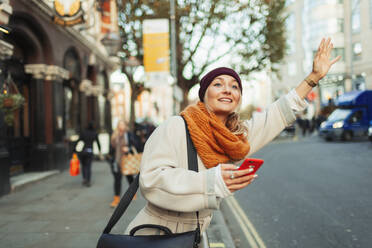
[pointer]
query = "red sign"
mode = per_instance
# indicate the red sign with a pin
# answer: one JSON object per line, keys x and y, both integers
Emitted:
{"x": 106, "y": 16}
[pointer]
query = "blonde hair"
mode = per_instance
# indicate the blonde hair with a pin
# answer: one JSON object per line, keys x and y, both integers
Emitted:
{"x": 116, "y": 131}
{"x": 235, "y": 125}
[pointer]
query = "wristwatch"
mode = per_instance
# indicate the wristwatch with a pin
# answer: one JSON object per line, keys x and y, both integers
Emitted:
{"x": 310, "y": 82}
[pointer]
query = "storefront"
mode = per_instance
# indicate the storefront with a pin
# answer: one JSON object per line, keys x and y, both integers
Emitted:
{"x": 47, "y": 63}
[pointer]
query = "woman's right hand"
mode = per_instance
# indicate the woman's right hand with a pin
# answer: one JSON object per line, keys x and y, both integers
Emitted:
{"x": 236, "y": 179}
{"x": 322, "y": 60}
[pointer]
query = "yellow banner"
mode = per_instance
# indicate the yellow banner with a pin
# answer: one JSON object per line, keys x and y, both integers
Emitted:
{"x": 156, "y": 52}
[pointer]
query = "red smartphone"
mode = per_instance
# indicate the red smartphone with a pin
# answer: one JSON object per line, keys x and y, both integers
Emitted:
{"x": 251, "y": 163}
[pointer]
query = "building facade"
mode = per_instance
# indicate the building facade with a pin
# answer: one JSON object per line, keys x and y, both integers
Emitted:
{"x": 349, "y": 24}
{"x": 63, "y": 74}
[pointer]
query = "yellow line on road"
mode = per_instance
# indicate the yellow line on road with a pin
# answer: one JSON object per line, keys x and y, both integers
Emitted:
{"x": 217, "y": 245}
{"x": 249, "y": 231}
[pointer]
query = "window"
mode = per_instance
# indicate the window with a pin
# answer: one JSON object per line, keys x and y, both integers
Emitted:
{"x": 356, "y": 117}
{"x": 340, "y": 25}
{"x": 292, "y": 68}
{"x": 355, "y": 16}
{"x": 68, "y": 108}
{"x": 357, "y": 51}
{"x": 101, "y": 101}
{"x": 370, "y": 12}
{"x": 291, "y": 35}
{"x": 359, "y": 82}
{"x": 315, "y": 3}
{"x": 289, "y": 2}
{"x": 338, "y": 51}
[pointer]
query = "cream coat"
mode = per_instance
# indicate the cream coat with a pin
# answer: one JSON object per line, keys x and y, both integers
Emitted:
{"x": 173, "y": 192}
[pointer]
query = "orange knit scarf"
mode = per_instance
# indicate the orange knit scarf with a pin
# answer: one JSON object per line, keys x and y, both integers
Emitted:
{"x": 213, "y": 141}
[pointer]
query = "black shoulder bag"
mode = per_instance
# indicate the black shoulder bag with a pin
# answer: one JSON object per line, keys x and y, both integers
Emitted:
{"x": 189, "y": 239}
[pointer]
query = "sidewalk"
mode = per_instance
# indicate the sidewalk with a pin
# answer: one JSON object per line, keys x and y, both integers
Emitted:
{"x": 59, "y": 212}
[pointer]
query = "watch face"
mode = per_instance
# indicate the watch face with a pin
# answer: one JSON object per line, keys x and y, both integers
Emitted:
{"x": 310, "y": 82}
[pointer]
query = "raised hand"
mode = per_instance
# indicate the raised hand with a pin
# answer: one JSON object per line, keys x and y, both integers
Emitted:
{"x": 322, "y": 62}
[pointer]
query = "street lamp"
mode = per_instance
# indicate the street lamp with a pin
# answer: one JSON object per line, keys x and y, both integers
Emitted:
{"x": 111, "y": 41}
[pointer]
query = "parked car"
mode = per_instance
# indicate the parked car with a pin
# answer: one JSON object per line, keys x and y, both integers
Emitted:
{"x": 351, "y": 118}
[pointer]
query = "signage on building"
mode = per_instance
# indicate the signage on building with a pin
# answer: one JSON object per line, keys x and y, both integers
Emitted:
{"x": 106, "y": 24}
{"x": 68, "y": 12}
{"x": 156, "y": 50}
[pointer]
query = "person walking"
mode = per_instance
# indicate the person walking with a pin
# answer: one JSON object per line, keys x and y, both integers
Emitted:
{"x": 123, "y": 142}
{"x": 174, "y": 193}
{"x": 88, "y": 136}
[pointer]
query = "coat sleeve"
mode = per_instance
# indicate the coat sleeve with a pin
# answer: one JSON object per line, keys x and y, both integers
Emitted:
{"x": 165, "y": 180}
{"x": 265, "y": 126}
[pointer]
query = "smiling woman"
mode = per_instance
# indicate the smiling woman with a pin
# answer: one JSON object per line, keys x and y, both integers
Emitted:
{"x": 221, "y": 140}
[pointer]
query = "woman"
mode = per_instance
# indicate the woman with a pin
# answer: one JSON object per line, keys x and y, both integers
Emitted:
{"x": 173, "y": 192}
{"x": 122, "y": 142}
{"x": 88, "y": 136}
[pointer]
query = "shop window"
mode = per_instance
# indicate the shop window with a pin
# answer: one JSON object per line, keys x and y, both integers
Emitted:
{"x": 101, "y": 101}
{"x": 68, "y": 108}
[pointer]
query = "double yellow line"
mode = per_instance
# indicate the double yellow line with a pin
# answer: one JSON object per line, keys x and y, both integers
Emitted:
{"x": 247, "y": 227}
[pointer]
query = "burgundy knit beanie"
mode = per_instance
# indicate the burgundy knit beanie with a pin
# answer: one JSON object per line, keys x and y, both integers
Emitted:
{"x": 208, "y": 78}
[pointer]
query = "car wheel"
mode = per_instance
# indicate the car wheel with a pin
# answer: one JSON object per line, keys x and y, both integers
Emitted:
{"x": 328, "y": 139}
{"x": 347, "y": 136}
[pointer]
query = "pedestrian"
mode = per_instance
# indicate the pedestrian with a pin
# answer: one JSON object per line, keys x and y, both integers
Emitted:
{"x": 123, "y": 142}
{"x": 174, "y": 193}
{"x": 88, "y": 136}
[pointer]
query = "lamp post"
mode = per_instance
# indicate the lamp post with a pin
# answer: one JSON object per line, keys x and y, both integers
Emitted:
{"x": 111, "y": 41}
{"x": 173, "y": 51}
{"x": 352, "y": 11}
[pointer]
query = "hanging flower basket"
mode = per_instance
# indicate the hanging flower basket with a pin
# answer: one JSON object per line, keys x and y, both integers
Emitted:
{"x": 10, "y": 103}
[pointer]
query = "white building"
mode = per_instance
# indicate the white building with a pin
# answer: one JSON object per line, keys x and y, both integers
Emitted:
{"x": 349, "y": 24}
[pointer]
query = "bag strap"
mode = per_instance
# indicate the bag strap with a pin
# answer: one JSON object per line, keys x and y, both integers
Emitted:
{"x": 191, "y": 151}
{"x": 123, "y": 205}
{"x": 192, "y": 160}
{"x": 129, "y": 194}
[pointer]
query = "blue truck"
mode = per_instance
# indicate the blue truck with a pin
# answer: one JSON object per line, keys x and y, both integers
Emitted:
{"x": 351, "y": 118}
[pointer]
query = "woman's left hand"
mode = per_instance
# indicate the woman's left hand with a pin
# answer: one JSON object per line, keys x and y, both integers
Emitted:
{"x": 236, "y": 179}
{"x": 322, "y": 62}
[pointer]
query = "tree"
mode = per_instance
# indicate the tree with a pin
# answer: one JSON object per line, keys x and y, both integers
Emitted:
{"x": 131, "y": 15}
{"x": 246, "y": 34}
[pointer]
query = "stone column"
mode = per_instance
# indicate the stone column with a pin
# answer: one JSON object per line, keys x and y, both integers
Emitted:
{"x": 43, "y": 118}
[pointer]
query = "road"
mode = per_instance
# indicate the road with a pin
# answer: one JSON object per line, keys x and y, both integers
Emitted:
{"x": 309, "y": 193}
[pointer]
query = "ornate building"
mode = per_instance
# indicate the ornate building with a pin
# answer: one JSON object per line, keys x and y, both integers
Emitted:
{"x": 55, "y": 56}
